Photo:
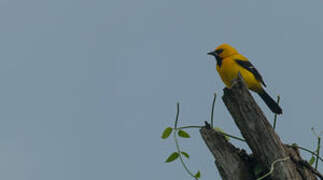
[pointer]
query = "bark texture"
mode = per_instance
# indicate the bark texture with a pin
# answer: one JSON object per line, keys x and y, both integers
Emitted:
{"x": 231, "y": 162}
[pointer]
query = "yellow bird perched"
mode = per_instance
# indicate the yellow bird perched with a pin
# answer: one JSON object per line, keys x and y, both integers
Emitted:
{"x": 229, "y": 63}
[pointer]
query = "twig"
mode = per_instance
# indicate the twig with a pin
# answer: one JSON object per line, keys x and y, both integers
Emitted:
{"x": 318, "y": 151}
{"x": 231, "y": 136}
{"x": 181, "y": 158}
{"x": 212, "y": 112}
{"x": 275, "y": 117}
{"x": 207, "y": 125}
{"x": 177, "y": 144}
{"x": 189, "y": 127}
{"x": 177, "y": 115}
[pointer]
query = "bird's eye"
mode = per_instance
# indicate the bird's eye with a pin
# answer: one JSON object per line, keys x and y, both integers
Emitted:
{"x": 219, "y": 51}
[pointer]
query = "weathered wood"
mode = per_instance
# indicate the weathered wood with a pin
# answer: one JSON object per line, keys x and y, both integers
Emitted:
{"x": 258, "y": 133}
{"x": 265, "y": 144}
{"x": 303, "y": 168}
{"x": 228, "y": 159}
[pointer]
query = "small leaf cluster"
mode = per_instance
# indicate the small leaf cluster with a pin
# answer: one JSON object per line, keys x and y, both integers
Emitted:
{"x": 178, "y": 154}
{"x": 168, "y": 131}
{"x": 181, "y": 133}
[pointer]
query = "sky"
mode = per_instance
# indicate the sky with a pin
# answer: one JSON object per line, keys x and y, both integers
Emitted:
{"x": 87, "y": 87}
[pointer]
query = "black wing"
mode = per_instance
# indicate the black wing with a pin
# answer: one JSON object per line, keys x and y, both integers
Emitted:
{"x": 247, "y": 65}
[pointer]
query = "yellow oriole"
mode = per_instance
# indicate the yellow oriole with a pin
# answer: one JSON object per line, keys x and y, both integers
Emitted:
{"x": 230, "y": 63}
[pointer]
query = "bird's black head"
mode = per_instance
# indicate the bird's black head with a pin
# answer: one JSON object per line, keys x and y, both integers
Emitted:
{"x": 217, "y": 54}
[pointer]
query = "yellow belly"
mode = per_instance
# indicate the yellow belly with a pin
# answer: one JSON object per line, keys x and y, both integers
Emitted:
{"x": 229, "y": 71}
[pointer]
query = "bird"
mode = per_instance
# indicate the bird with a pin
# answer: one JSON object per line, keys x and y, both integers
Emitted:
{"x": 229, "y": 62}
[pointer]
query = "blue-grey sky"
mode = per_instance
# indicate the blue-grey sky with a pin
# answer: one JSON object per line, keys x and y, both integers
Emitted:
{"x": 88, "y": 86}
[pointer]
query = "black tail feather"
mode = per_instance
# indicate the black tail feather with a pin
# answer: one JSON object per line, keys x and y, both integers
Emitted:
{"x": 273, "y": 106}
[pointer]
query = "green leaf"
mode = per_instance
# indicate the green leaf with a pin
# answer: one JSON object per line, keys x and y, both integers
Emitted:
{"x": 311, "y": 161}
{"x": 172, "y": 157}
{"x": 222, "y": 132}
{"x": 183, "y": 134}
{"x": 185, "y": 154}
{"x": 198, "y": 174}
{"x": 166, "y": 132}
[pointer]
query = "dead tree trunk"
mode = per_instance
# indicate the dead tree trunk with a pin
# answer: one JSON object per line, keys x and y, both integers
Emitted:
{"x": 231, "y": 162}
{"x": 266, "y": 146}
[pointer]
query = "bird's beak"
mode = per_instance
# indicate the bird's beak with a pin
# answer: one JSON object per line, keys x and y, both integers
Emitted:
{"x": 212, "y": 53}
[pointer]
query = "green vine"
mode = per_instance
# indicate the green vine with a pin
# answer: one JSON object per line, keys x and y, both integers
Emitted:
{"x": 179, "y": 154}
{"x": 212, "y": 110}
{"x": 272, "y": 167}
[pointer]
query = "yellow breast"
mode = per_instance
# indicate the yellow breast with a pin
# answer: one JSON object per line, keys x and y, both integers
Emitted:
{"x": 229, "y": 70}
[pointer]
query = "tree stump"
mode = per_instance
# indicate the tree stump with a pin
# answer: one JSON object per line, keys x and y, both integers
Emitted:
{"x": 266, "y": 146}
